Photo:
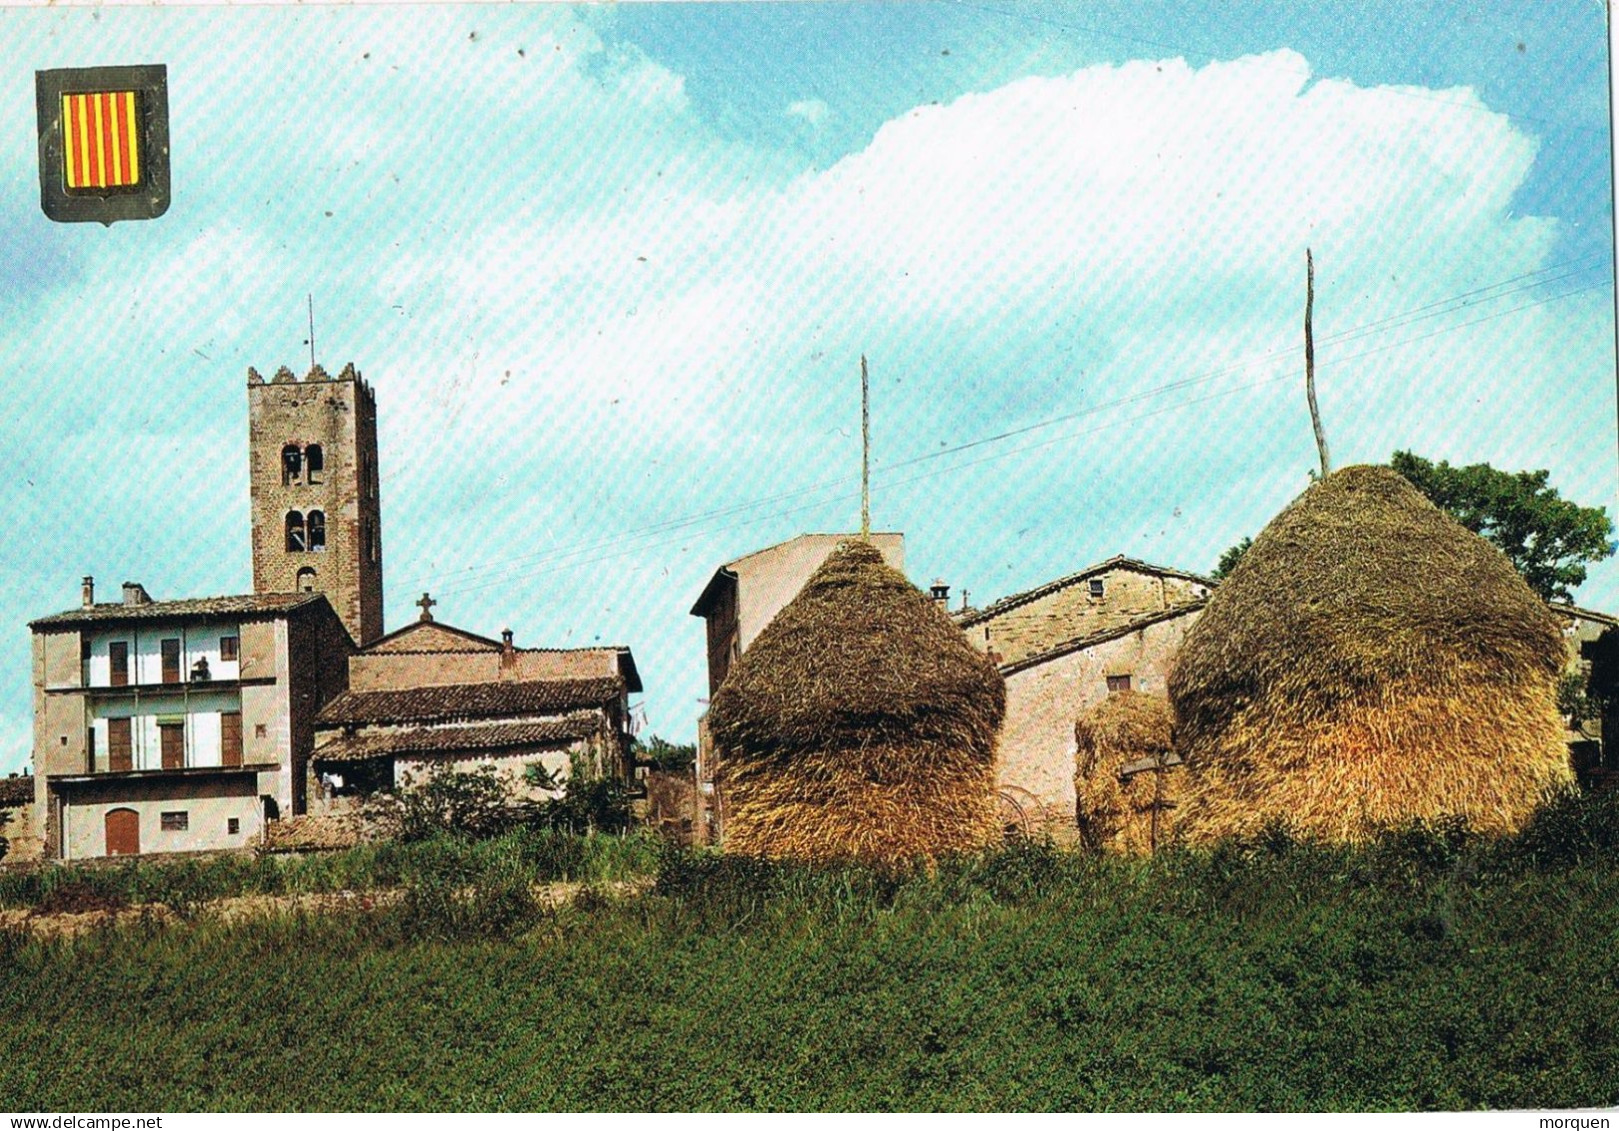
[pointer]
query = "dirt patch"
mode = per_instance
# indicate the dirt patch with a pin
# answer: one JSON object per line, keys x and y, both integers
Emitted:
{"x": 73, "y": 916}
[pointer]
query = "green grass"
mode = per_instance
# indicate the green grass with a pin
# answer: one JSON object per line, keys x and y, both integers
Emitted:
{"x": 1428, "y": 971}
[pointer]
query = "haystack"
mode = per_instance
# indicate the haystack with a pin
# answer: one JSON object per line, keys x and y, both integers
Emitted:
{"x": 1127, "y": 781}
{"x": 1368, "y": 662}
{"x": 860, "y": 725}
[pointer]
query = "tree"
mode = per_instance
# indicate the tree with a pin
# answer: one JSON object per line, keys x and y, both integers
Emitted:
{"x": 1547, "y": 537}
{"x": 661, "y": 754}
{"x": 1229, "y": 559}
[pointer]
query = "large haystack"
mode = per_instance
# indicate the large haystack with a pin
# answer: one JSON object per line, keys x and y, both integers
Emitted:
{"x": 860, "y": 725}
{"x": 1127, "y": 780}
{"x": 1369, "y": 661}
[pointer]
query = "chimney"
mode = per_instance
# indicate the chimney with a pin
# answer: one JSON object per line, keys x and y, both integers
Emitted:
{"x": 940, "y": 591}
{"x": 508, "y": 652}
{"x": 135, "y": 594}
{"x": 89, "y": 591}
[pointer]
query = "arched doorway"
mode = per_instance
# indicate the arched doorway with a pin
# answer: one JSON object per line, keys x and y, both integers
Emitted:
{"x": 123, "y": 832}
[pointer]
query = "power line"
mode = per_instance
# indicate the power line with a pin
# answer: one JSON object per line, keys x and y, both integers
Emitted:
{"x": 1436, "y": 308}
{"x": 624, "y": 551}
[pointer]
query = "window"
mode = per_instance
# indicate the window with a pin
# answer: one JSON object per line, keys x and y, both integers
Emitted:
{"x": 230, "y": 738}
{"x": 295, "y": 532}
{"x": 90, "y": 750}
{"x": 306, "y": 580}
{"x": 261, "y": 730}
{"x": 314, "y": 463}
{"x": 1097, "y": 588}
{"x": 174, "y": 822}
{"x": 291, "y": 464}
{"x": 1117, "y": 683}
{"x": 171, "y": 659}
{"x": 172, "y": 741}
{"x": 118, "y": 661}
{"x": 233, "y": 826}
{"x": 228, "y": 648}
{"x": 317, "y": 530}
{"x": 376, "y": 546}
{"x": 120, "y": 745}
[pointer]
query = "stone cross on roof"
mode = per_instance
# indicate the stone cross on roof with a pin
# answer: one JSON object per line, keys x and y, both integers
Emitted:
{"x": 426, "y": 604}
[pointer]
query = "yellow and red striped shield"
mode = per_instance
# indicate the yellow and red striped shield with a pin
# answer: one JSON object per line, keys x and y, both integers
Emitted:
{"x": 101, "y": 140}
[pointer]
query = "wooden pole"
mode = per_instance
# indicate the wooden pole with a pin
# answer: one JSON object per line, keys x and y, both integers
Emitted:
{"x": 1309, "y": 363}
{"x": 865, "y": 451}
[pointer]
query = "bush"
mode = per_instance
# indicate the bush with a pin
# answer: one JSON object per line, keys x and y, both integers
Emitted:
{"x": 1572, "y": 828}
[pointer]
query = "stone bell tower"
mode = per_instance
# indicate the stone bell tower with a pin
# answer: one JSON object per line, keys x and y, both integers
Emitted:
{"x": 316, "y": 505}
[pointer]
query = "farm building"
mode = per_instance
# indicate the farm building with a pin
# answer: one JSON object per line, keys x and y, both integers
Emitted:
{"x": 1368, "y": 661}
{"x": 177, "y": 726}
{"x": 1592, "y": 740}
{"x": 432, "y": 695}
{"x": 858, "y": 726}
{"x": 740, "y": 599}
{"x": 1063, "y": 647}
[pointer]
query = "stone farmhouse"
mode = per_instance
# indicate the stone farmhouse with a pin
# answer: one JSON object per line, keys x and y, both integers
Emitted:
{"x": 1064, "y": 646}
{"x": 175, "y": 726}
{"x": 430, "y": 695}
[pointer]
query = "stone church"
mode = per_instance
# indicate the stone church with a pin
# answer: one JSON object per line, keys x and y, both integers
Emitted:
{"x": 220, "y": 722}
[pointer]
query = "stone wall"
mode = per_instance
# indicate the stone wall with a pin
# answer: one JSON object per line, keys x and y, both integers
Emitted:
{"x": 1036, "y": 753}
{"x": 1031, "y": 627}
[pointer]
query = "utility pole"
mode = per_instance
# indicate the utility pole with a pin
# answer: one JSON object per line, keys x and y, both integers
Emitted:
{"x": 1309, "y": 363}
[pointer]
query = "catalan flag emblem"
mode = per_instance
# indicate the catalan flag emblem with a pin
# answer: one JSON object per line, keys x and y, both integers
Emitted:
{"x": 101, "y": 140}
{"x": 103, "y": 143}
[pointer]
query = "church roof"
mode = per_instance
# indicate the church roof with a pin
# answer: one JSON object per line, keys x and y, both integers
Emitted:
{"x": 431, "y": 636}
{"x": 247, "y": 604}
{"x": 470, "y": 736}
{"x": 469, "y": 701}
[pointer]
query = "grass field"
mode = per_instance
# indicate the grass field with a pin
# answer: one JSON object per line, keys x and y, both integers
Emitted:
{"x": 1428, "y": 971}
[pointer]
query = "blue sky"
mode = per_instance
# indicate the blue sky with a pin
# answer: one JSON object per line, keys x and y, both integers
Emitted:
{"x": 611, "y": 269}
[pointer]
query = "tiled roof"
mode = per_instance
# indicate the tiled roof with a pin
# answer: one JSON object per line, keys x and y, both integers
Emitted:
{"x": 16, "y": 791}
{"x": 469, "y": 701}
{"x": 1583, "y": 614}
{"x": 977, "y": 616}
{"x": 446, "y": 739}
{"x": 247, "y": 604}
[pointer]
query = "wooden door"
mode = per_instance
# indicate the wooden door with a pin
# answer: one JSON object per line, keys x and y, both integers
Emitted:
{"x": 120, "y": 745}
{"x": 123, "y": 832}
{"x": 172, "y": 741}
{"x": 230, "y": 738}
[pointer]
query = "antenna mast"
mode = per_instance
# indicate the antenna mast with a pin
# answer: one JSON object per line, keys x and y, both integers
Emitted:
{"x": 865, "y": 451}
{"x": 311, "y": 332}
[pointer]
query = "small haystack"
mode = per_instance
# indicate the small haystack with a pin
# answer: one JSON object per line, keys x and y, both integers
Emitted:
{"x": 1368, "y": 662}
{"x": 860, "y": 725}
{"x": 1127, "y": 780}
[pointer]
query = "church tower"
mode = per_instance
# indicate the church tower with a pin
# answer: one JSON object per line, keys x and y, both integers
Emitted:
{"x": 317, "y": 514}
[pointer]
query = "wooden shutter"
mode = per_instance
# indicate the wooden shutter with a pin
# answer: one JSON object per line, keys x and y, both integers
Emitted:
{"x": 120, "y": 748}
{"x": 230, "y": 738}
{"x": 172, "y": 738}
{"x": 171, "y": 660}
{"x": 118, "y": 659}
